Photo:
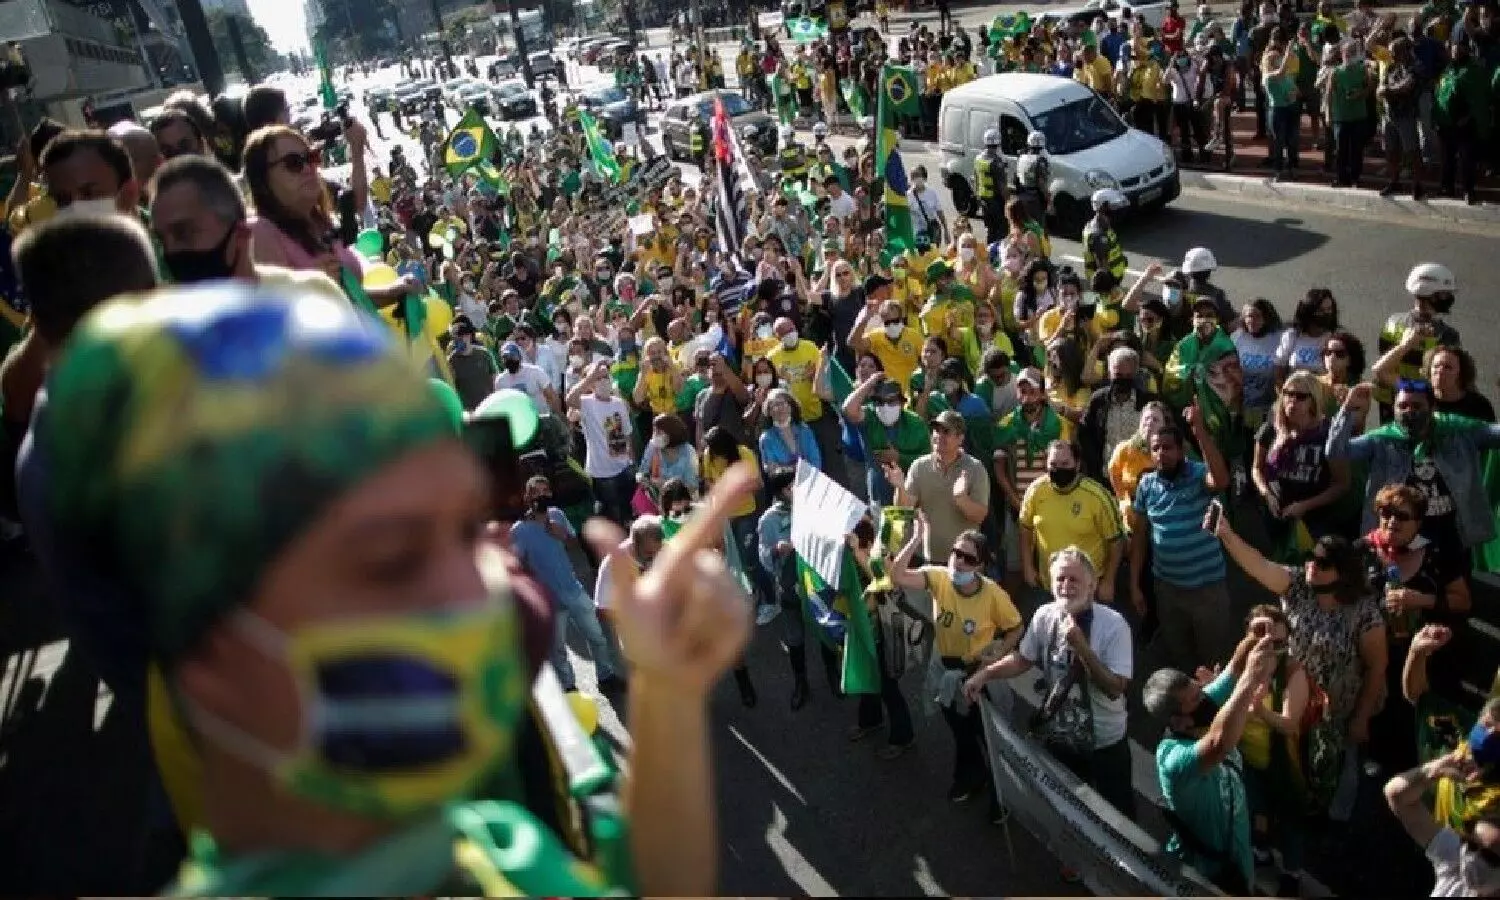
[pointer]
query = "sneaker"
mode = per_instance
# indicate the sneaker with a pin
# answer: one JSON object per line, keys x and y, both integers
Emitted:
{"x": 766, "y": 613}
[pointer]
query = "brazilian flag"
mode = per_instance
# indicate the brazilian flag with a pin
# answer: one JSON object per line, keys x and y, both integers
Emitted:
{"x": 841, "y": 620}
{"x": 600, "y": 151}
{"x": 898, "y": 99}
{"x": 786, "y": 100}
{"x": 805, "y": 30}
{"x": 469, "y": 144}
{"x": 854, "y": 95}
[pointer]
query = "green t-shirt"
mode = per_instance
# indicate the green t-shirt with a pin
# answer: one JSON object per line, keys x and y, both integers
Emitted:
{"x": 1280, "y": 91}
{"x": 909, "y": 436}
{"x": 1343, "y": 106}
{"x": 692, "y": 386}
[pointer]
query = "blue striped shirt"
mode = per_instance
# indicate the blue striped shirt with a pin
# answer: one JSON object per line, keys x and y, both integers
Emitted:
{"x": 1183, "y": 553}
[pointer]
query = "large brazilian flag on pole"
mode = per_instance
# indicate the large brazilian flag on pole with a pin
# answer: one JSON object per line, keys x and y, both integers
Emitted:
{"x": 469, "y": 144}
{"x": 898, "y": 99}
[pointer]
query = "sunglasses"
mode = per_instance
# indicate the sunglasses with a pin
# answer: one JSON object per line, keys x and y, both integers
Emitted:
{"x": 296, "y": 163}
{"x": 964, "y": 556}
{"x": 1299, "y": 396}
{"x": 1396, "y": 514}
{"x": 1323, "y": 563}
{"x": 1336, "y": 352}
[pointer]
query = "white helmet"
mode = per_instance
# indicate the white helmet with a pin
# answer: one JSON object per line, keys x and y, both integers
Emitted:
{"x": 1036, "y": 141}
{"x": 1427, "y": 279}
{"x": 1199, "y": 261}
{"x": 1109, "y": 198}
{"x": 820, "y": 130}
{"x": 992, "y": 137}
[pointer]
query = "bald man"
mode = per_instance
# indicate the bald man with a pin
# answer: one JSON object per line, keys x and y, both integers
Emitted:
{"x": 145, "y": 154}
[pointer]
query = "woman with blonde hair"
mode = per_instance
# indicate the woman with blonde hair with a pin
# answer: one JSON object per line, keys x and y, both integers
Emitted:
{"x": 1292, "y": 470}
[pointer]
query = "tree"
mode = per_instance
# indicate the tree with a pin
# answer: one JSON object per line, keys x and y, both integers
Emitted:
{"x": 361, "y": 23}
{"x": 258, "y": 52}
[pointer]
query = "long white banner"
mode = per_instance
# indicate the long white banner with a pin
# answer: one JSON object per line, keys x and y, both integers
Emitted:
{"x": 1115, "y": 857}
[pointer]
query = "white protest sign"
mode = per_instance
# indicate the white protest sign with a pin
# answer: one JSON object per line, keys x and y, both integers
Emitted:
{"x": 823, "y": 515}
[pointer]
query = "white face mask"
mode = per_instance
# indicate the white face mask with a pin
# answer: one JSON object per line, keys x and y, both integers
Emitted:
{"x": 99, "y": 206}
{"x": 888, "y": 413}
{"x": 659, "y": 441}
{"x": 789, "y": 340}
{"x": 966, "y": 253}
{"x": 764, "y": 379}
{"x": 781, "y": 420}
{"x": 893, "y": 330}
{"x": 575, "y": 360}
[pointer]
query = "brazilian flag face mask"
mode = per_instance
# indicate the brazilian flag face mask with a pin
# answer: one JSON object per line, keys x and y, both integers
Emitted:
{"x": 400, "y": 714}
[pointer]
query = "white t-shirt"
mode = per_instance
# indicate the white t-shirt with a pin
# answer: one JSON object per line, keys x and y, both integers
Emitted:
{"x": 1443, "y": 852}
{"x": 604, "y": 585}
{"x": 1046, "y": 647}
{"x": 842, "y": 206}
{"x": 1298, "y": 351}
{"x": 530, "y": 379}
{"x": 549, "y": 363}
{"x": 606, "y": 435}
{"x": 925, "y": 206}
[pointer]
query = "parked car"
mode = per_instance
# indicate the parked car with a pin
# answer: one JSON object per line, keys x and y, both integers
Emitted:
{"x": 476, "y": 96}
{"x": 380, "y": 99}
{"x": 611, "y": 106}
{"x": 453, "y": 88}
{"x": 1089, "y": 146}
{"x": 513, "y": 100}
{"x": 507, "y": 66}
{"x": 756, "y": 128}
{"x": 593, "y": 47}
{"x": 408, "y": 98}
{"x": 1149, "y": 13}
{"x": 543, "y": 63}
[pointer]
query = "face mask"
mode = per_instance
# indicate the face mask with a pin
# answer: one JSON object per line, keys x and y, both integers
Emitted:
{"x": 192, "y": 266}
{"x": 888, "y": 413}
{"x": 966, "y": 253}
{"x": 1171, "y": 296}
{"x": 764, "y": 379}
{"x": 961, "y": 579}
{"x": 893, "y": 330}
{"x": 99, "y": 206}
{"x": 1415, "y": 422}
{"x": 659, "y": 441}
{"x": 789, "y": 340}
{"x": 763, "y": 332}
{"x": 1062, "y": 477}
{"x": 402, "y": 713}
{"x": 512, "y": 366}
{"x": 460, "y": 343}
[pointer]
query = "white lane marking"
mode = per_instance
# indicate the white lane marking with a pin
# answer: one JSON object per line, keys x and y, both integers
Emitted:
{"x": 921, "y": 873}
{"x": 795, "y": 864}
{"x": 775, "y": 772}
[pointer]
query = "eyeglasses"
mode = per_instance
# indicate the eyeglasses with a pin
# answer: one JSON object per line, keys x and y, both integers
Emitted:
{"x": 1336, "y": 352}
{"x": 295, "y": 163}
{"x": 964, "y": 556}
{"x": 1396, "y": 514}
{"x": 1298, "y": 396}
{"x": 1323, "y": 563}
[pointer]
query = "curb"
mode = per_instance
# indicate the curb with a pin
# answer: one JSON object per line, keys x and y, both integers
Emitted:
{"x": 1393, "y": 209}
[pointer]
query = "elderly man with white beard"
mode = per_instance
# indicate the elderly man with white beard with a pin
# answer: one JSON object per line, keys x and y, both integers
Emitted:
{"x": 1083, "y": 652}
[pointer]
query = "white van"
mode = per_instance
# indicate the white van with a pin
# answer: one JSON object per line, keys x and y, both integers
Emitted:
{"x": 1089, "y": 145}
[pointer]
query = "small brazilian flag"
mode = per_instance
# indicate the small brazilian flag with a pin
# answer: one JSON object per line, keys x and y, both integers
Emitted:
{"x": 805, "y": 30}
{"x": 469, "y": 143}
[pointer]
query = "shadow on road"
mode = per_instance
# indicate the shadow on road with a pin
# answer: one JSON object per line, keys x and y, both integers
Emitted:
{"x": 1254, "y": 243}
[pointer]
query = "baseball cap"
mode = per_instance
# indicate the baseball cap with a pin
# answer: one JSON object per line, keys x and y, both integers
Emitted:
{"x": 888, "y": 390}
{"x": 950, "y": 420}
{"x": 511, "y": 350}
{"x": 1032, "y": 375}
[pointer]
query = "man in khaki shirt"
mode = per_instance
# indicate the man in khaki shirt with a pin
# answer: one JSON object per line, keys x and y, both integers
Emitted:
{"x": 948, "y": 486}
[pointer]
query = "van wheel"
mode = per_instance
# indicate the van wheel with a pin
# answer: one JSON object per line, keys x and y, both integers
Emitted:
{"x": 963, "y": 198}
{"x": 1068, "y": 217}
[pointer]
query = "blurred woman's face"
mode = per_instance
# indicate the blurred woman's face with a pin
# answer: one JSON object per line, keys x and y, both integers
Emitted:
{"x": 1152, "y": 420}
{"x": 864, "y": 367}
{"x": 1445, "y": 372}
{"x": 292, "y": 175}
{"x": 931, "y": 355}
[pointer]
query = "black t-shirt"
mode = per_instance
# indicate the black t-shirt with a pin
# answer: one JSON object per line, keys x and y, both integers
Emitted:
{"x": 843, "y": 313}
{"x": 1439, "y": 567}
{"x": 1301, "y": 471}
{"x": 724, "y": 410}
{"x": 1473, "y": 405}
{"x": 1441, "y": 522}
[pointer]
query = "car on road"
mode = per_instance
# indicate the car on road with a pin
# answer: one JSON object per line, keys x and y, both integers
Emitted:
{"x": 380, "y": 99}
{"x": 756, "y": 128}
{"x": 408, "y": 98}
{"x": 507, "y": 66}
{"x": 1089, "y": 146}
{"x": 453, "y": 88}
{"x": 513, "y": 100}
{"x": 543, "y": 63}
{"x": 475, "y": 96}
{"x": 1149, "y": 13}
{"x": 591, "y": 48}
{"x": 611, "y": 106}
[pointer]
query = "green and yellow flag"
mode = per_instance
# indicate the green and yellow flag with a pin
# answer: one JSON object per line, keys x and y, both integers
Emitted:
{"x": 854, "y": 95}
{"x": 898, "y": 100}
{"x": 469, "y": 144}
{"x": 805, "y": 30}
{"x": 841, "y": 620}
{"x": 600, "y": 151}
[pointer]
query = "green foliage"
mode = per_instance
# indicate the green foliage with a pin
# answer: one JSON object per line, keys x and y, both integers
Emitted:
{"x": 258, "y": 52}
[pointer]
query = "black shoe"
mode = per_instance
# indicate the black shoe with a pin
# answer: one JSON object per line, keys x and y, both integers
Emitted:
{"x": 799, "y": 694}
{"x": 1289, "y": 886}
{"x": 747, "y": 688}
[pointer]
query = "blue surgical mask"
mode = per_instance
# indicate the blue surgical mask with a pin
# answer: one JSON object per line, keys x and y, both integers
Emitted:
{"x": 962, "y": 579}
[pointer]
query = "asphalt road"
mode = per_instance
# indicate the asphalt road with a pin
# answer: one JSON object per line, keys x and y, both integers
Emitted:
{"x": 802, "y": 811}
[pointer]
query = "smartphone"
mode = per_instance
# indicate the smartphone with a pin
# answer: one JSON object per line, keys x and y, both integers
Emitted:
{"x": 1211, "y": 518}
{"x": 490, "y": 440}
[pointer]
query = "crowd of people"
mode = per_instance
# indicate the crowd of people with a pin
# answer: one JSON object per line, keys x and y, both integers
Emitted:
{"x": 327, "y": 586}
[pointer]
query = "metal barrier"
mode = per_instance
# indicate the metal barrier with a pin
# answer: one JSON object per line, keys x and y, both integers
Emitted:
{"x": 1112, "y": 854}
